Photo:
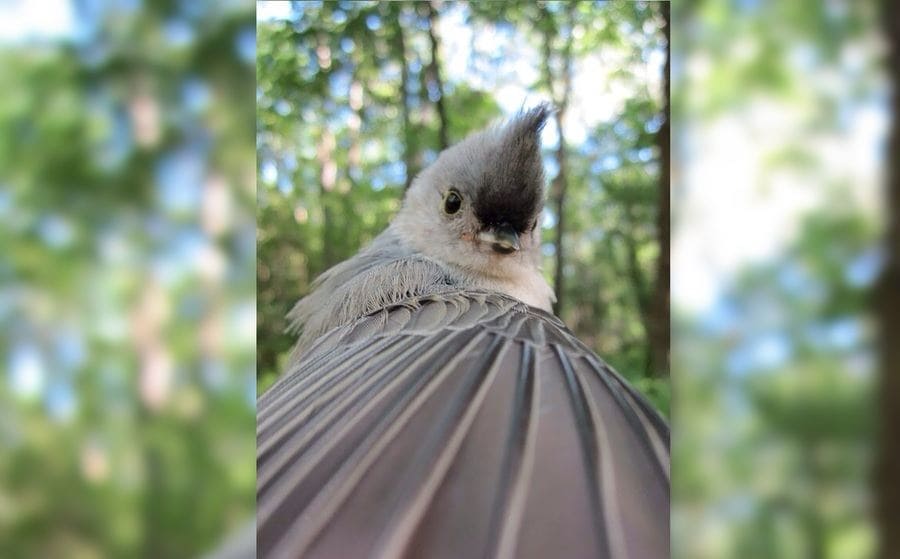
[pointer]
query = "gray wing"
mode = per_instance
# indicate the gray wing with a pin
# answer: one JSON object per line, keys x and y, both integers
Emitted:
{"x": 459, "y": 425}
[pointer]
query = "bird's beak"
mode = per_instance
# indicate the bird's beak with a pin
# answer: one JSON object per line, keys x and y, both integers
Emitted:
{"x": 502, "y": 238}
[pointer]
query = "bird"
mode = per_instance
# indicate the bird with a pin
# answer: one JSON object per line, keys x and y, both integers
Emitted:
{"x": 469, "y": 220}
{"x": 433, "y": 406}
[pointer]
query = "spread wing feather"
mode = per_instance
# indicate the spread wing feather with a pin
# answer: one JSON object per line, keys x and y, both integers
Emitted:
{"x": 460, "y": 424}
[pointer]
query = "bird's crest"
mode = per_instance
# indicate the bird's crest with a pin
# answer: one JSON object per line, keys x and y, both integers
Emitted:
{"x": 514, "y": 172}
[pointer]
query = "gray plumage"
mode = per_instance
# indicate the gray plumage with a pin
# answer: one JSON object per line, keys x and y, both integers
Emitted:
{"x": 434, "y": 408}
{"x": 499, "y": 175}
{"x": 459, "y": 424}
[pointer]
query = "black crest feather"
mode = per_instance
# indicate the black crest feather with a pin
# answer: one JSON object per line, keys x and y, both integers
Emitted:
{"x": 512, "y": 183}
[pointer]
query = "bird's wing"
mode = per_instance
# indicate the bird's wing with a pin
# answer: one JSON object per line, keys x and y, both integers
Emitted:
{"x": 457, "y": 425}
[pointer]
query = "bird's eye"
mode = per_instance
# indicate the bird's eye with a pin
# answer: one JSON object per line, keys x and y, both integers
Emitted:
{"x": 452, "y": 202}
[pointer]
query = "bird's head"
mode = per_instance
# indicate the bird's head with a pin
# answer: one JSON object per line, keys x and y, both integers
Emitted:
{"x": 478, "y": 206}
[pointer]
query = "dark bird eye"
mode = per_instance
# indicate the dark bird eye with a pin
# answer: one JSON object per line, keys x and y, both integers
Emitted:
{"x": 452, "y": 202}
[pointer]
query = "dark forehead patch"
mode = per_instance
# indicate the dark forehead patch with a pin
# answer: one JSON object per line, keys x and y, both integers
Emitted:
{"x": 514, "y": 203}
{"x": 511, "y": 188}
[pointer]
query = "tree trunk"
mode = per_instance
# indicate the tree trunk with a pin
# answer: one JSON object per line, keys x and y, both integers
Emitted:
{"x": 408, "y": 155}
{"x": 327, "y": 171}
{"x": 630, "y": 267}
{"x": 561, "y": 100}
{"x": 642, "y": 298}
{"x": 153, "y": 388}
{"x": 434, "y": 74}
{"x": 356, "y": 95}
{"x": 153, "y": 505}
{"x": 658, "y": 331}
{"x": 887, "y": 310}
{"x": 327, "y": 179}
{"x": 559, "y": 202}
{"x": 354, "y": 125}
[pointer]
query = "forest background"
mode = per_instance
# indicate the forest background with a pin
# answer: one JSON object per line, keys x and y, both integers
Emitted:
{"x": 128, "y": 200}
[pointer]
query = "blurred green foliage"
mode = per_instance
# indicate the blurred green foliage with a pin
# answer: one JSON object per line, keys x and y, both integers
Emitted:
{"x": 773, "y": 427}
{"x": 126, "y": 291}
{"x": 337, "y": 140}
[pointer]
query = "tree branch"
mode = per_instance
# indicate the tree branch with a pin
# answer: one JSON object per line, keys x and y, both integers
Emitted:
{"x": 887, "y": 310}
{"x": 435, "y": 74}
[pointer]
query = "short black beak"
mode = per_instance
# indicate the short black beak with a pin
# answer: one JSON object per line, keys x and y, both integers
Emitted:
{"x": 503, "y": 238}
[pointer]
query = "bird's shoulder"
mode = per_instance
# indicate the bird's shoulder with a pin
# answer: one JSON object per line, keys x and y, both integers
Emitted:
{"x": 450, "y": 308}
{"x": 384, "y": 273}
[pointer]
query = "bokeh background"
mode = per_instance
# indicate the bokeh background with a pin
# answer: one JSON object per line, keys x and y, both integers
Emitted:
{"x": 127, "y": 250}
{"x": 780, "y": 119}
{"x": 354, "y": 98}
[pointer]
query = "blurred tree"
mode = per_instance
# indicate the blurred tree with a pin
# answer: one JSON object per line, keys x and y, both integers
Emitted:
{"x": 775, "y": 425}
{"x": 657, "y": 314}
{"x": 126, "y": 167}
{"x": 887, "y": 309}
{"x": 557, "y": 78}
